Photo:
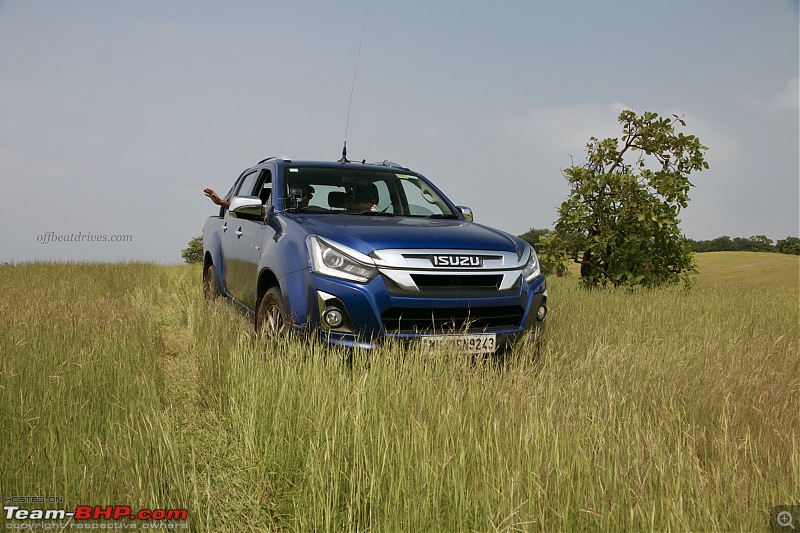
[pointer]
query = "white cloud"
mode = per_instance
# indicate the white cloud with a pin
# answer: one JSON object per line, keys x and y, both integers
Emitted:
{"x": 564, "y": 131}
{"x": 561, "y": 130}
{"x": 722, "y": 146}
{"x": 789, "y": 96}
{"x": 533, "y": 146}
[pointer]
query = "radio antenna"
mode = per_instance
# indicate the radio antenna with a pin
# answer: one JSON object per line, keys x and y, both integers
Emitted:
{"x": 353, "y": 86}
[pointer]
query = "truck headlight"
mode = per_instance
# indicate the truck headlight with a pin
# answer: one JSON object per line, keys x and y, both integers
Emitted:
{"x": 339, "y": 261}
{"x": 531, "y": 270}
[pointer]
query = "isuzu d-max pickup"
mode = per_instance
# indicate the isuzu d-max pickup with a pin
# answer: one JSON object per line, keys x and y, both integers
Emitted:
{"x": 358, "y": 253}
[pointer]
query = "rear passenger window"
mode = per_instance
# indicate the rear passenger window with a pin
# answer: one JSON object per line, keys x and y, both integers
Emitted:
{"x": 247, "y": 188}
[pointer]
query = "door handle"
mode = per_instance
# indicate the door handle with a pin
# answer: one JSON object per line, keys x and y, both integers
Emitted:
{"x": 225, "y": 227}
{"x": 239, "y": 232}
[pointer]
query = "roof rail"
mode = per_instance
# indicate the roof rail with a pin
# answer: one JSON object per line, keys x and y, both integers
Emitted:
{"x": 282, "y": 158}
{"x": 390, "y": 164}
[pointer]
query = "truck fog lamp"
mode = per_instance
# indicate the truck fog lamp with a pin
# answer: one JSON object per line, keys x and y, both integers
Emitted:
{"x": 542, "y": 312}
{"x": 333, "y": 317}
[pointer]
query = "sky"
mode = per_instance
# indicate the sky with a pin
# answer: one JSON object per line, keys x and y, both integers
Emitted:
{"x": 115, "y": 115}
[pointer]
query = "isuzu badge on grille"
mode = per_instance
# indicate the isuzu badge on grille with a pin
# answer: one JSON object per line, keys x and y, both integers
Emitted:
{"x": 457, "y": 261}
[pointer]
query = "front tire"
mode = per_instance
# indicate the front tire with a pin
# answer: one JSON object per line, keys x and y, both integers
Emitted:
{"x": 271, "y": 319}
{"x": 211, "y": 288}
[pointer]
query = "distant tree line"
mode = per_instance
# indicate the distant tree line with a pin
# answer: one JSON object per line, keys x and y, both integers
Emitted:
{"x": 756, "y": 243}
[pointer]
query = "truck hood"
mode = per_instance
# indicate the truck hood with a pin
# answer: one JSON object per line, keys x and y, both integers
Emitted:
{"x": 367, "y": 233}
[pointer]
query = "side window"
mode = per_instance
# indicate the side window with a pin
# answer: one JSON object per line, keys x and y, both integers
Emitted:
{"x": 248, "y": 185}
{"x": 227, "y": 198}
{"x": 264, "y": 186}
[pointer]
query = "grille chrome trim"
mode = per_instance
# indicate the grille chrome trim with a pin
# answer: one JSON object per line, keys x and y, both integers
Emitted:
{"x": 404, "y": 266}
{"x": 405, "y": 278}
{"x": 422, "y": 259}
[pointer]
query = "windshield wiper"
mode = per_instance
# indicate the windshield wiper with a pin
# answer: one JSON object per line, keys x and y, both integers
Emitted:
{"x": 371, "y": 213}
{"x": 442, "y": 215}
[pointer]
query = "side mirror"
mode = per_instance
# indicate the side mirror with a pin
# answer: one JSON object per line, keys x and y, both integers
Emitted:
{"x": 247, "y": 207}
{"x": 466, "y": 211}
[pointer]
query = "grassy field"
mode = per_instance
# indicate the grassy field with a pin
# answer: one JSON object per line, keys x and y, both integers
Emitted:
{"x": 646, "y": 410}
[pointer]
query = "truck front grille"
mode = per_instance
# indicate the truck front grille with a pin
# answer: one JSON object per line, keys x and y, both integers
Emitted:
{"x": 450, "y": 281}
{"x": 458, "y": 320}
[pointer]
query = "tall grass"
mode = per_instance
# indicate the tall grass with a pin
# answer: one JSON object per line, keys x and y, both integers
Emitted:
{"x": 80, "y": 397}
{"x": 665, "y": 409}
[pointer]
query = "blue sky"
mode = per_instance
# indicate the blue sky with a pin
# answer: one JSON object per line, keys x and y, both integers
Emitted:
{"x": 115, "y": 115}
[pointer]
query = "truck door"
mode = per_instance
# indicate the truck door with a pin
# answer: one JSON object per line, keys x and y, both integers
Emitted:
{"x": 228, "y": 241}
{"x": 231, "y": 234}
{"x": 250, "y": 243}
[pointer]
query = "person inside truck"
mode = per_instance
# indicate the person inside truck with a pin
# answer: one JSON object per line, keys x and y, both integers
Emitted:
{"x": 261, "y": 181}
{"x": 225, "y": 204}
{"x": 308, "y": 194}
{"x": 365, "y": 198}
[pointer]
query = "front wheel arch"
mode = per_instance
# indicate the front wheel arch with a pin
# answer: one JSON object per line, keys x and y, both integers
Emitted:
{"x": 272, "y": 320}
{"x": 211, "y": 287}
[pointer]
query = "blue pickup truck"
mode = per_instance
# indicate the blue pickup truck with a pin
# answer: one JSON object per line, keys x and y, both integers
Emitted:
{"x": 358, "y": 253}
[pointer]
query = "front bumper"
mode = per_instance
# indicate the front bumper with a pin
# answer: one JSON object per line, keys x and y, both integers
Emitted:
{"x": 373, "y": 313}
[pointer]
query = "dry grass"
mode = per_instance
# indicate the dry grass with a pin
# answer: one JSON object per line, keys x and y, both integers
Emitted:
{"x": 649, "y": 410}
{"x": 749, "y": 268}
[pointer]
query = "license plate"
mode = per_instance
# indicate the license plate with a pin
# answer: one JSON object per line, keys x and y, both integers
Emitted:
{"x": 484, "y": 343}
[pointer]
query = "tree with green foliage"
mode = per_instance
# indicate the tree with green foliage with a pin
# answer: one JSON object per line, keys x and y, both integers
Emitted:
{"x": 532, "y": 237}
{"x": 194, "y": 252}
{"x": 721, "y": 244}
{"x": 620, "y": 220}
{"x": 700, "y": 246}
{"x": 789, "y": 245}
{"x": 758, "y": 243}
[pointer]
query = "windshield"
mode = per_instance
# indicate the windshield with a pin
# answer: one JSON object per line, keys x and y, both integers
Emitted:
{"x": 371, "y": 192}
